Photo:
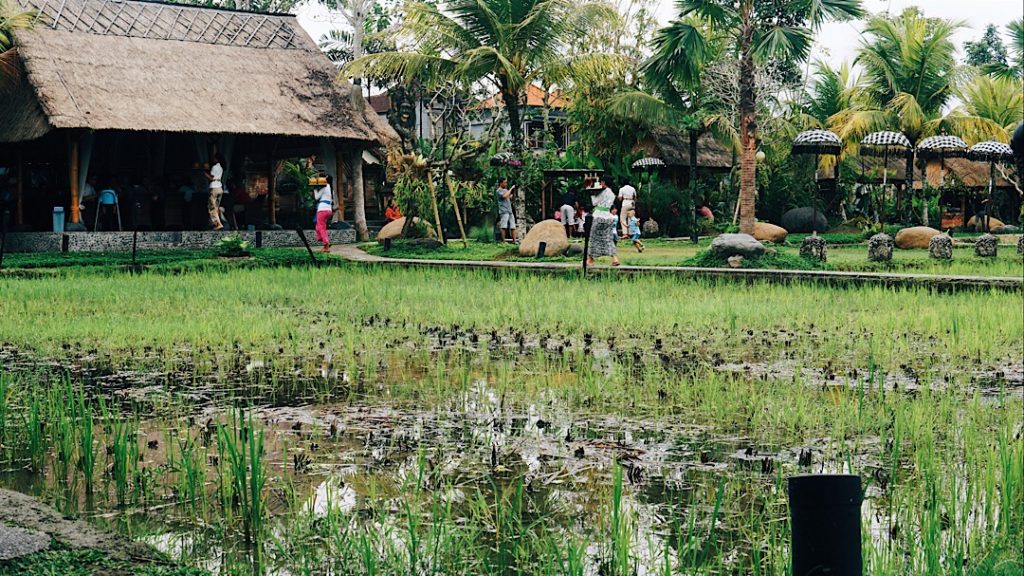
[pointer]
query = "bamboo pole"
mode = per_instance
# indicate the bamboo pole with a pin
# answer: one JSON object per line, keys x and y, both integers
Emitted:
{"x": 272, "y": 193}
{"x": 455, "y": 206}
{"x": 342, "y": 184}
{"x": 75, "y": 212}
{"x": 433, "y": 204}
{"x": 19, "y": 198}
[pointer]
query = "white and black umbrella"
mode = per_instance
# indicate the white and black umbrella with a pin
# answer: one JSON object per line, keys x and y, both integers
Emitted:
{"x": 817, "y": 142}
{"x": 881, "y": 144}
{"x": 992, "y": 152}
{"x": 648, "y": 163}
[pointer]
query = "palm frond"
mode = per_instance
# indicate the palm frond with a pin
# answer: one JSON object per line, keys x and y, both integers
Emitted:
{"x": 788, "y": 42}
{"x": 405, "y": 67}
{"x": 644, "y": 109}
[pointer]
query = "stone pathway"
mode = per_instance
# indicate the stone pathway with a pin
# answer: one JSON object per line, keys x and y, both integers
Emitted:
{"x": 352, "y": 253}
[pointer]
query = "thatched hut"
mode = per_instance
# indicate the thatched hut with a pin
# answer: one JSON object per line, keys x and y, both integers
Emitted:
{"x": 147, "y": 91}
{"x": 673, "y": 147}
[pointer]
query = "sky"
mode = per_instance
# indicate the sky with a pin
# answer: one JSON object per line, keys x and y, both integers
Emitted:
{"x": 835, "y": 43}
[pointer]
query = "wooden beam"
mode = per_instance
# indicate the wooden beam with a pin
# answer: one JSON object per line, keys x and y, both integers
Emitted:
{"x": 272, "y": 194}
{"x": 339, "y": 187}
{"x": 19, "y": 198}
{"x": 75, "y": 213}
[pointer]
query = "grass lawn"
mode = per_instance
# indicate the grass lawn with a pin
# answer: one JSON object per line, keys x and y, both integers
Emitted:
{"x": 658, "y": 252}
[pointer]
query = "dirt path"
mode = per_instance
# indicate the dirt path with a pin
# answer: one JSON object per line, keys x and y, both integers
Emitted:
{"x": 28, "y": 523}
{"x": 949, "y": 282}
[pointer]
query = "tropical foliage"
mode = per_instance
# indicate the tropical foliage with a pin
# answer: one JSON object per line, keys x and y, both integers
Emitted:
{"x": 11, "y": 19}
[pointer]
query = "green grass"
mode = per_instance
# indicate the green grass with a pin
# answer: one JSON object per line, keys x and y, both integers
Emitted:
{"x": 843, "y": 257}
{"x": 173, "y": 261}
{"x": 941, "y": 462}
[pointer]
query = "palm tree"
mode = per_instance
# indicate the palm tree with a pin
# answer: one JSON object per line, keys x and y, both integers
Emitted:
{"x": 757, "y": 30}
{"x": 676, "y": 95}
{"x": 11, "y": 19}
{"x": 1014, "y": 69}
{"x": 910, "y": 75}
{"x": 833, "y": 90}
{"x": 508, "y": 45}
{"x": 993, "y": 106}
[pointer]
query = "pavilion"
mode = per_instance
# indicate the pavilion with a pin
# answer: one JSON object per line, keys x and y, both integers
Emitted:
{"x": 147, "y": 92}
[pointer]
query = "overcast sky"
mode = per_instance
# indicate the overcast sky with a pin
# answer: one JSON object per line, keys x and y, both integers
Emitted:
{"x": 836, "y": 42}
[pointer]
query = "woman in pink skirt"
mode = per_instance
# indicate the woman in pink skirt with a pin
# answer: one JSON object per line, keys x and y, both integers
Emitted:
{"x": 324, "y": 209}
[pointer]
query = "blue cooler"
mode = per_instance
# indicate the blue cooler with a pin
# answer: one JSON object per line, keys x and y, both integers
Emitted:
{"x": 58, "y": 219}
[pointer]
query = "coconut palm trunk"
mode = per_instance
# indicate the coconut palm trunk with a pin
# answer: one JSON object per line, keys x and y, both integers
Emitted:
{"x": 748, "y": 122}
{"x": 359, "y": 197}
{"x": 515, "y": 128}
{"x": 695, "y": 227}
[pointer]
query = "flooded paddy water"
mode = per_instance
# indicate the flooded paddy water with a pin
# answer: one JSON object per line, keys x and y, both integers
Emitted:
{"x": 396, "y": 445}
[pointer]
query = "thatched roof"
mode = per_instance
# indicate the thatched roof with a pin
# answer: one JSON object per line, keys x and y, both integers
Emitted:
{"x": 673, "y": 147}
{"x": 132, "y": 65}
{"x": 970, "y": 173}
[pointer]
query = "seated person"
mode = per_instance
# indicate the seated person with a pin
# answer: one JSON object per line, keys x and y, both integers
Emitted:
{"x": 391, "y": 213}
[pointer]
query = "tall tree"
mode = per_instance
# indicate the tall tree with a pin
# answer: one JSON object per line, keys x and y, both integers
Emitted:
{"x": 1014, "y": 67}
{"x": 910, "y": 76}
{"x": 987, "y": 50}
{"x": 757, "y": 30}
{"x": 996, "y": 106}
{"x": 508, "y": 45}
{"x": 11, "y": 19}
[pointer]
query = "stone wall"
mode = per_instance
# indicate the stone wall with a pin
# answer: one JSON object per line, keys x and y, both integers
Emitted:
{"x": 189, "y": 240}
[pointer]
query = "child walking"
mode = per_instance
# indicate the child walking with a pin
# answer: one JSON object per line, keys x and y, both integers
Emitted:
{"x": 634, "y": 230}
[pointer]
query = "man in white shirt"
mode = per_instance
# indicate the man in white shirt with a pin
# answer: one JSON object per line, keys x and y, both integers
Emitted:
{"x": 627, "y": 195}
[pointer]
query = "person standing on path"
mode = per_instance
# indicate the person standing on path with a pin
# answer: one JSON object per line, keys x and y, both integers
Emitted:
{"x": 603, "y": 223}
{"x": 506, "y": 218}
{"x": 215, "y": 176}
{"x": 568, "y": 212}
{"x": 324, "y": 209}
{"x": 627, "y": 195}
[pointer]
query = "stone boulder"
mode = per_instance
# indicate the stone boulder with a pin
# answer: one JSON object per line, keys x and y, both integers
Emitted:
{"x": 975, "y": 224}
{"x": 815, "y": 248}
{"x": 765, "y": 232}
{"x": 941, "y": 247}
{"x": 650, "y": 228}
{"x": 916, "y": 237}
{"x": 551, "y": 232}
{"x": 986, "y": 246}
{"x": 1020, "y": 245}
{"x": 1006, "y": 229}
{"x": 880, "y": 248}
{"x": 804, "y": 220}
{"x": 574, "y": 250}
{"x": 425, "y": 243}
{"x": 745, "y": 245}
{"x": 393, "y": 230}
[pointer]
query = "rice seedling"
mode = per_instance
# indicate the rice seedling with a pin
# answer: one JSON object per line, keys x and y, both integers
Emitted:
{"x": 439, "y": 436}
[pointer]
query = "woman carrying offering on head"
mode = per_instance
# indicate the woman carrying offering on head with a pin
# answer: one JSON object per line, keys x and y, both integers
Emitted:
{"x": 603, "y": 223}
{"x": 324, "y": 209}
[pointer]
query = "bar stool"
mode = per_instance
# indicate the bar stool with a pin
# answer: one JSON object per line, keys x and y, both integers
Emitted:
{"x": 107, "y": 198}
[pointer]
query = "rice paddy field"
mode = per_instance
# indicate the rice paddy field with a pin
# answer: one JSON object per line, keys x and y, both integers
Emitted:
{"x": 845, "y": 253}
{"x": 374, "y": 420}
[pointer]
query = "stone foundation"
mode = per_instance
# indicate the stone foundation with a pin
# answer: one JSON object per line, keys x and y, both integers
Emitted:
{"x": 188, "y": 240}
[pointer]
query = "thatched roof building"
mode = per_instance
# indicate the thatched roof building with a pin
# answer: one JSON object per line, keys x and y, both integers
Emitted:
{"x": 130, "y": 65}
{"x": 149, "y": 89}
{"x": 673, "y": 147}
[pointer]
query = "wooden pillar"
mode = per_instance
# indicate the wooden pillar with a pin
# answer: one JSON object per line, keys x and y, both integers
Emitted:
{"x": 19, "y": 198}
{"x": 340, "y": 186}
{"x": 272, "y": 193}
{"x": 75, "y": 213}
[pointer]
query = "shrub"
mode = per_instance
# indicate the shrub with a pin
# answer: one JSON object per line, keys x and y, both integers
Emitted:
{"x": 232, "y": 247}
